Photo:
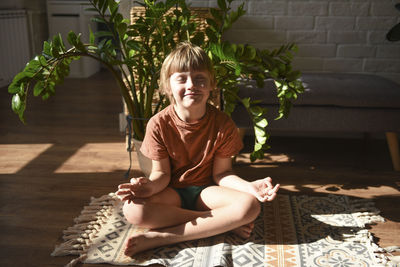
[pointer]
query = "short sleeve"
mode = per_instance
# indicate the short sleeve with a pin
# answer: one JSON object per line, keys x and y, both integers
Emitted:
{"x": 153, "y": 145}
{"x": 229, "y": 141}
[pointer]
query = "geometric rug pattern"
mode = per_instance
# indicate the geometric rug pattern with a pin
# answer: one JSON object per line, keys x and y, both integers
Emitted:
{"x": 297, "y": 230}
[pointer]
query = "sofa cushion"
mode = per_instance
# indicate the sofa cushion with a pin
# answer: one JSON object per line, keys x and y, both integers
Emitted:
{"x": 333, "y": 89}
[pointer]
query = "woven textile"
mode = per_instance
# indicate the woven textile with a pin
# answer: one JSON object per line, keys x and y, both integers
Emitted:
{"x": 290, "y": 231}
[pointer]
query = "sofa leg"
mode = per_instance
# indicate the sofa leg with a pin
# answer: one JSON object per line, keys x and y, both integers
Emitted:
{"x": 393, "y": 144}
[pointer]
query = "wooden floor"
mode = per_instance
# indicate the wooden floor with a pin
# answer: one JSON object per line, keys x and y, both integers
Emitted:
{"x": 71, "y": 149}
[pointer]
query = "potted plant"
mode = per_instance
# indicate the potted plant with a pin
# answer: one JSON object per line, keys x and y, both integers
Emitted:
{"x": 133, "y": 53}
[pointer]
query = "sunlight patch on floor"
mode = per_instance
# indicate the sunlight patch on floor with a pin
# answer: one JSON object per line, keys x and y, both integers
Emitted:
{"x": 291, "y": 188}
{"x": 14, "y": 157}
{"x": 98, "y": 157}
{"x": 268, "y": 159}
{"x": 340, "y": 189}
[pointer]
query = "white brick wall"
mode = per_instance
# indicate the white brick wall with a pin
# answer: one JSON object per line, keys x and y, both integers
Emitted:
{"x": 332, "y": 35}
{"x": 348, "y": 9}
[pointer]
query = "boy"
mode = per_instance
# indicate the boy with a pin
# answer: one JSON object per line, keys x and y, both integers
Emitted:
{"x": 192, "y": 191}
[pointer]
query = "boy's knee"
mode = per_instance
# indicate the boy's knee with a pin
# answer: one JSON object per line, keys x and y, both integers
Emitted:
{"x": 134, "y": 213}
{"x": 255, "y": 207}
{"x": 250, "y": 208}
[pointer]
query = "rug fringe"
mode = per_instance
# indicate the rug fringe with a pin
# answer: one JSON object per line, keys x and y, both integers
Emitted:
{"x": 366, "y": 213}
{"x": 74, "y": 262}
{"x": 394, "y": 260}
{"x": 78, "y": 238}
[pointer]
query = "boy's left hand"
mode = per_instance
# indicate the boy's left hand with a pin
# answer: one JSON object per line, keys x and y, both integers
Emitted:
{"x": 263, "y": 189}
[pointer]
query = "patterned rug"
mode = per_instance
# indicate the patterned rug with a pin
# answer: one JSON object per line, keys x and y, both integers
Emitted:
{"x": 290, "y": 231}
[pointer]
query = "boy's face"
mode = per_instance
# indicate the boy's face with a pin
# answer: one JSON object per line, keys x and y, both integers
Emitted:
{"x": 190, "y": 88}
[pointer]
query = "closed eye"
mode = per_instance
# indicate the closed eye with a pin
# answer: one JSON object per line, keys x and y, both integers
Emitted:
{"x": 200, "y": 79}
{"x": 181, "y": 79}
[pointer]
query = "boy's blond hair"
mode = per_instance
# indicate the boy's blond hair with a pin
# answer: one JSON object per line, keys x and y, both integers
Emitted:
{"x": 185, "y": 57}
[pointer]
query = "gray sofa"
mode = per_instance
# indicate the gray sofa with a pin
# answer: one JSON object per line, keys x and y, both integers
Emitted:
{"x": 335, "y": 103}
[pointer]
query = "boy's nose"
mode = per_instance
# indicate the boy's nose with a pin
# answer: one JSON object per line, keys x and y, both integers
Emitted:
{"x": 189, "y": 83}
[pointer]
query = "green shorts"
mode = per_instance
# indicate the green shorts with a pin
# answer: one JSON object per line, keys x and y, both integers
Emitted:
{"x": 189, "y": 196}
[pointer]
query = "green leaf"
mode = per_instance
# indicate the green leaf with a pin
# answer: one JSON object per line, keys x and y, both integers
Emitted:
{"x": 260, "y": 131}
{"x": 103, "y": 34}
{"x": 246, "y": 102}
{"x": 91, "y": 36}
{"x": 79, "y": 45}
{"x": 212, "y": 23}
{"x": 38, "y": 89}
{"x": 217, "y": 50}
{"x": 212, "y": 36}
{"x": 217, "y": 14}
{"x": 169, "y": 4}
{"x": 256, "y": 111}
{"x": 134, "y": 45}
{"x": 46, "y": 48}
{"x": 42, "y": 61}
{"x": 257, "y": 147}
{"x": 58, "y": 41}
{"x": 122, "y": 29}
{"x": 71, "y": 37}
{"x": 101, "y": 4}
{"x": 118, "y": 19}
{"x": 249, "y": 52}
{"x": 17, "y": 83}
{"x": 91, "y": 9}
{"x": 261, "y": 139}
{"x": 98, "y": 20}
{"x": 293, "y": 75}
{"x": 16, "y": 103}
{"x": 258, "y": 152}
{"x": 132, "y": 33}
{"x": 13, "y": 88}
{"x": 222, "y": 5}
{"x": 262, "y": 123}
{"x": 113, "y": 7}
{"x": 32, "y": 67}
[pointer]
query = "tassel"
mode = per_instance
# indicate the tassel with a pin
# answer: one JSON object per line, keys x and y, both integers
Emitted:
{"x": 365, "y": 213}
{"x": 66, "y": 248}
{"x": 78, "y": 238}
{"x": 392, "y": 249}
{"x": 395, "y": 260}
{"x": 74, "y": 262}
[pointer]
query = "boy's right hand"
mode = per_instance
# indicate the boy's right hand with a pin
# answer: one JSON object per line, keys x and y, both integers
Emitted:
{"x": 137, "y": 189}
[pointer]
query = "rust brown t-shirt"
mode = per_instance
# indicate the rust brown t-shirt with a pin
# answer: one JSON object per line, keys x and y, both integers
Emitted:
{"x": 191, "y": 147}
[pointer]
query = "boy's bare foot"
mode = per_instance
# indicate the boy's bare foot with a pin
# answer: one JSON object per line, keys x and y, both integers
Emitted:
{"x": 244, "y": 231}
{"x": 143, "y": 241}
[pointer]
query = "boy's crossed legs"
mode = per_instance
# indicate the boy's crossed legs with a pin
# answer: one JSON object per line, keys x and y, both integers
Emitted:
{"x": 219, "y": 210}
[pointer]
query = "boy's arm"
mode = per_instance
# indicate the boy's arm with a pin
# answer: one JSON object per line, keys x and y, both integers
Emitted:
{"x": 160, "y": 175}
{"x": 223, "y": 175}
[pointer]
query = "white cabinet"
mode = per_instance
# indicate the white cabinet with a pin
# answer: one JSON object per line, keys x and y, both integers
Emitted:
{"x": 64, "y": 16}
